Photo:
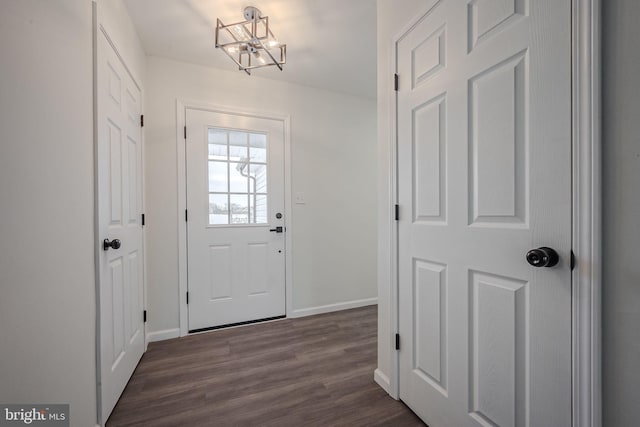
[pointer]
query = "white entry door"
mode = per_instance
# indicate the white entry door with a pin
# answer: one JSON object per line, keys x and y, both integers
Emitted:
{"x": 236, "y": 224}
{"x": 120, "y": 239}
{"x": 484, "y": 169}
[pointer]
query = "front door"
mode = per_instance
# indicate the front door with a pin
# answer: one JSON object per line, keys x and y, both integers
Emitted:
{"x": 120, "y": 240}
{"x": 484, "y": 170}
{"x": 235, "y": 224}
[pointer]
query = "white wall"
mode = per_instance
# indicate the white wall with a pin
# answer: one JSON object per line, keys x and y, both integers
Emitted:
{"x": 333, "y": 139}
{"x": 47, "y": 281}
{"x": 393, "y": 16}
{"x": 47, "y": 299}
{"x": 621, "y": 269}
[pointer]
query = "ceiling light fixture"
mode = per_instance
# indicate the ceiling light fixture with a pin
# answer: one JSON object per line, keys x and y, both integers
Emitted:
{"x": 250, "y": 43}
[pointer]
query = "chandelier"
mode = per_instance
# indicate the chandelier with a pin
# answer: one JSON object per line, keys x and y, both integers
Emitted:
{"x": 250, "y": 43}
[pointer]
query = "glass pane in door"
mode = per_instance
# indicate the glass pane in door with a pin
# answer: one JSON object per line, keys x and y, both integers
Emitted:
{"x": 237, "y": 172}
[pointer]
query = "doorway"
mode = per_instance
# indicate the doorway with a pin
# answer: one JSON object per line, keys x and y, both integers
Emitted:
{"x": 235, "y": 218}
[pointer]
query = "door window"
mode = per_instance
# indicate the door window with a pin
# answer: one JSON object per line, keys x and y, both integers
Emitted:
{"x": 237, "y": 177}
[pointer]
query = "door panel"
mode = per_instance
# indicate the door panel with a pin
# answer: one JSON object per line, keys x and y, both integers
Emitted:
{"x": 497, "y": 122}
{"x": 484, "y": 142}
{"x": 119, "y": 165}
{"x": 430, "y": 318}
{"x": 235, "y": 189}
{"x": 499, "y": 329}
{"x": 430, "y": 161}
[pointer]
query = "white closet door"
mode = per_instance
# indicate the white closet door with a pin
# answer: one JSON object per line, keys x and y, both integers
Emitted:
{"x": 484, "y": 140}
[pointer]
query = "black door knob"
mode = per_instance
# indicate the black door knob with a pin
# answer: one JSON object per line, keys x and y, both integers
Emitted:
{"x": 277, "y": 230}
{"x": 542, "y": 257}
{"x": 115, "y": 244}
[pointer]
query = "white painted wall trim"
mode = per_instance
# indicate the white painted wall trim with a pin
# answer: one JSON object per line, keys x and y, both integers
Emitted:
{"x": 394, "y": 313}
{"x": 96, "y": 208}
{"x": 181, "y": 106}
{"x": 302, "y": 312}
{"x": 166, "y": 334}
{"x": 586, "y": 219}
{"x": 392, "y": 381}
{"x": 587, "y": 214}
{"x": 382, "y": 380}
{"x": 181, "y": 157}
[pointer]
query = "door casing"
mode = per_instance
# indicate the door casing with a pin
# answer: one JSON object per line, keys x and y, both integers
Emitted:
{"x": 181, "y": 106}
{"x": 586, "y": 216}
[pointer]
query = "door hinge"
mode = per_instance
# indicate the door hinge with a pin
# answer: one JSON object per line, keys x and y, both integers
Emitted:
{"x": 397, "y": 213}
{"x": 397, "y": 341}
{"x": 187, "y": 297}
{"x": 144, "y": 316}
{"x": 396, "y": 82}
{"x": 186, "y": 215}
{"x": 185, "y": 132}
{"x": 141, "y": 120}
{"x": 142, "y": 220}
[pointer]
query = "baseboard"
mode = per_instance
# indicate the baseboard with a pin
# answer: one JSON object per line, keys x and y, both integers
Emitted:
{"x": 302, "y": 312}
{"x": 382, "y": 380}
{"x": 166, "y": 334}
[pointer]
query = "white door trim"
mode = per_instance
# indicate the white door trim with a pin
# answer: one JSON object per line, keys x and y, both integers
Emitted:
{"x": 586, "y": 216}
{"x": 181, "y": 106}
{"x": 587, "y": 208}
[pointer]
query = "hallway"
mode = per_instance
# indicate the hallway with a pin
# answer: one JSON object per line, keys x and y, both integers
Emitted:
{"x": 312, "y": 371}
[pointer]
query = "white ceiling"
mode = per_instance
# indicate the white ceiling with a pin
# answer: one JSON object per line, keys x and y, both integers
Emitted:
{"x": 331, "y": 44}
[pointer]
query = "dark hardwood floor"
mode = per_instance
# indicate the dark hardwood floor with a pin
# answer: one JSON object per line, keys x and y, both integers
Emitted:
{"x": 312, "y": 371}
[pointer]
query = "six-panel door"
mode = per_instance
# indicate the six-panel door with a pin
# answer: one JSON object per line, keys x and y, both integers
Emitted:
{"x": 119, "y": 216}
{"x": 484, "y": 173}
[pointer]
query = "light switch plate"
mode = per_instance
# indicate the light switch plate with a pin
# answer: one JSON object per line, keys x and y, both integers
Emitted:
{"x": 300, "y": 199}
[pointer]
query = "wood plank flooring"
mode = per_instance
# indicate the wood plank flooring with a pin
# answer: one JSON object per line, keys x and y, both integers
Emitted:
{"x": 312, "y": 371}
